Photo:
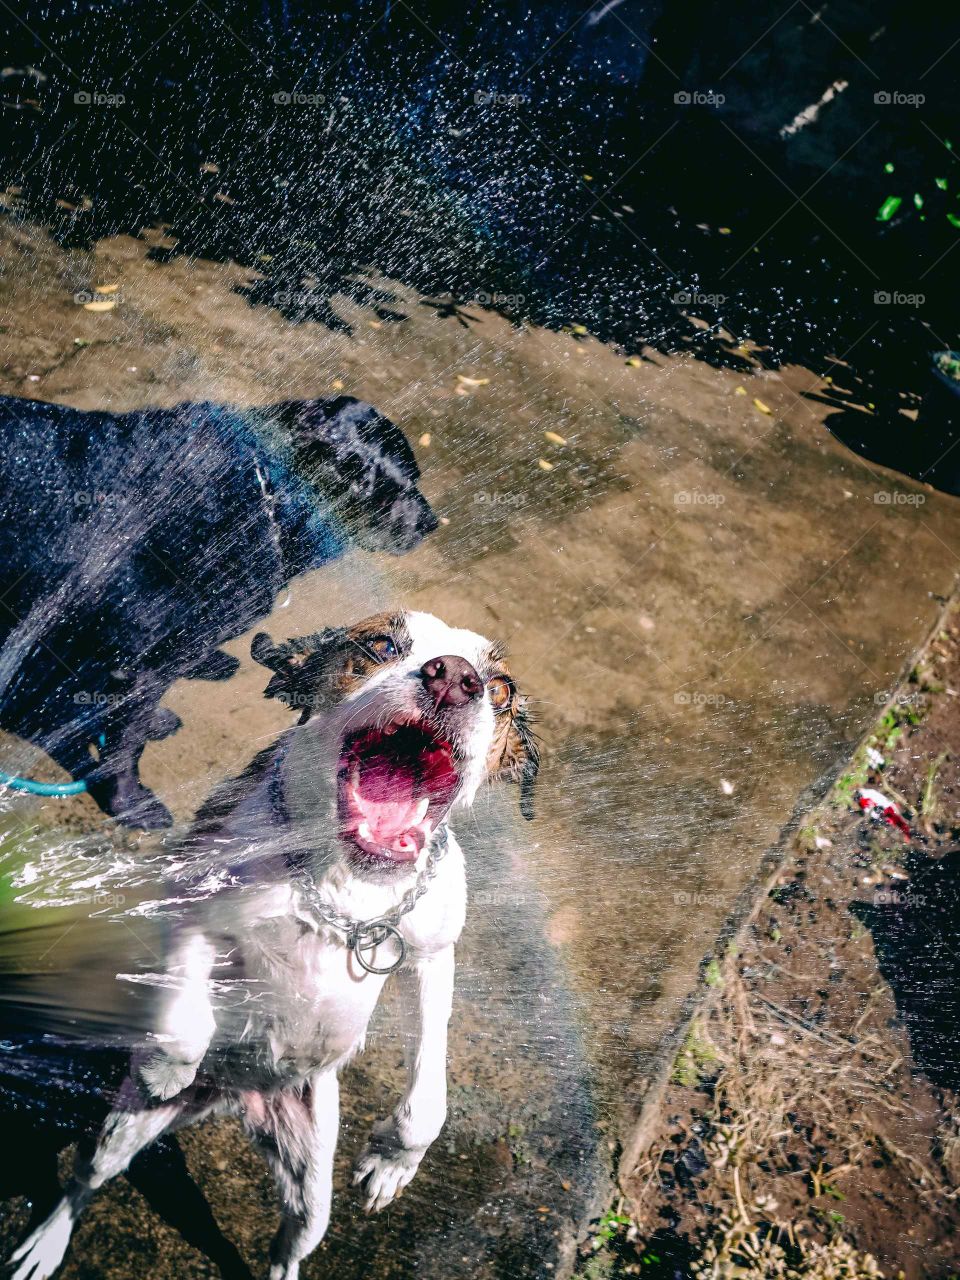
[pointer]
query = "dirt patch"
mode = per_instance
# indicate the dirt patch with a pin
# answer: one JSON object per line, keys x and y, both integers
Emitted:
{"x": 704, "y": 598}
{"x": 810, "y": 1125}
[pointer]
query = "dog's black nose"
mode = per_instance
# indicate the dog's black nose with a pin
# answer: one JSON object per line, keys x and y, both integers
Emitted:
{"x": 451, "y": 681}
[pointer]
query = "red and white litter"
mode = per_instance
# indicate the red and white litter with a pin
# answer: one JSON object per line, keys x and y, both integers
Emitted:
{"x": 880, "y": 808}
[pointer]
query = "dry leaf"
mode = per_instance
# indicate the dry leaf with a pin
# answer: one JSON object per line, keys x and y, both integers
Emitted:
{"x": 764, "y": 408}
{"x": 106, "y": 288}
{"x": 554, "y": 438}
{"x": 105, "y": 304}
{"x": 740, "y": 391}
{"x": 544, "y": 465}
{"x": 425, "y": 439}
{"x": 472, "y": 382}
{"x": 375, "y": 324}
{"x": 338, "y": 384}
{"x": 634, "y": 362}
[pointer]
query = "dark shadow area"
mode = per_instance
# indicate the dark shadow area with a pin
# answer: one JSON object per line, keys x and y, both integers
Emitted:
{"x": 914, "y": 431}
{"x": 916, "y": 931}
{"x": 664, "y": 1256}
{"x": 161, "y": 1176}
{"x": 311, "y": 303}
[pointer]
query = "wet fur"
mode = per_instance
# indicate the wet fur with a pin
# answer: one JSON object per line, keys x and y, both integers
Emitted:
{"x": 289, "y": 1004}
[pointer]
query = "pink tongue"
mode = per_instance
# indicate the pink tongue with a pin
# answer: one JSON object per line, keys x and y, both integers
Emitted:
{"x": 386, "y": 798}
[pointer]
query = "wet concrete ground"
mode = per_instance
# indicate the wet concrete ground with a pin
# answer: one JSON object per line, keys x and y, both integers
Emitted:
{"x": 707, "y": 601}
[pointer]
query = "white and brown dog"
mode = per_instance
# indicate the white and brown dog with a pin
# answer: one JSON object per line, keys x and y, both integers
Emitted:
{"x": 342, "y": 870}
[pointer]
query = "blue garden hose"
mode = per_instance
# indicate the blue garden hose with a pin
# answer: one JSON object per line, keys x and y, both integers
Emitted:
{"x": 42, "y": 788}
{"x": 59, "y": 789}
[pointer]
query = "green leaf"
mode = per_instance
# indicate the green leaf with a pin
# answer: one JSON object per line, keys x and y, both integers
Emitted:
{"x": 888, "y": 167}
{"x": 941, "y": 183}
{"x": 918, "y": 199}
{"x": 953, "y": 219}
{"x": 889, "y": 208}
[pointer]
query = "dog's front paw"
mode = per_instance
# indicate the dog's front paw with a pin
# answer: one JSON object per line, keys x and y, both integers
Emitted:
{"x": 164, "y": 1078}
{"x": 383, "y": 1176}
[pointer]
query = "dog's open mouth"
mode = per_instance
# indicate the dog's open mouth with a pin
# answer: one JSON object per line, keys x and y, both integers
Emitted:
{"x": 396, "y": 782}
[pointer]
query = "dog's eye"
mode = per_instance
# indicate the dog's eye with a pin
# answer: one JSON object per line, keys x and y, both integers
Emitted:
{"x": 382, "y": 648}
{"x": 501, "y": 691}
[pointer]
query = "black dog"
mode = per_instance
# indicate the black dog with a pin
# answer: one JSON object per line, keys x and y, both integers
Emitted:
{"x": 132, "y": 546}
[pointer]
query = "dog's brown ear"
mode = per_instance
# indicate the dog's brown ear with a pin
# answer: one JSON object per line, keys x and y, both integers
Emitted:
{"x": 529, "y": 765}
{"x": 304, "y": 668}
{"x": 515, "y": 754}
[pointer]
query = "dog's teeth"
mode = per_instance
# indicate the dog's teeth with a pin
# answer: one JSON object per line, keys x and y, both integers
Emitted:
{"x": 421, "y": 811}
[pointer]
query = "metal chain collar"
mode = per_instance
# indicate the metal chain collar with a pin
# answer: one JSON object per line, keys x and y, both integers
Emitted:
{"x": 366, "y": 935}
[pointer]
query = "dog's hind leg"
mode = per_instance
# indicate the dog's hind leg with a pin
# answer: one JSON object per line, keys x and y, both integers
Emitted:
{"x": 124, "y": 1134}
{"x": 297, "y": 1133}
